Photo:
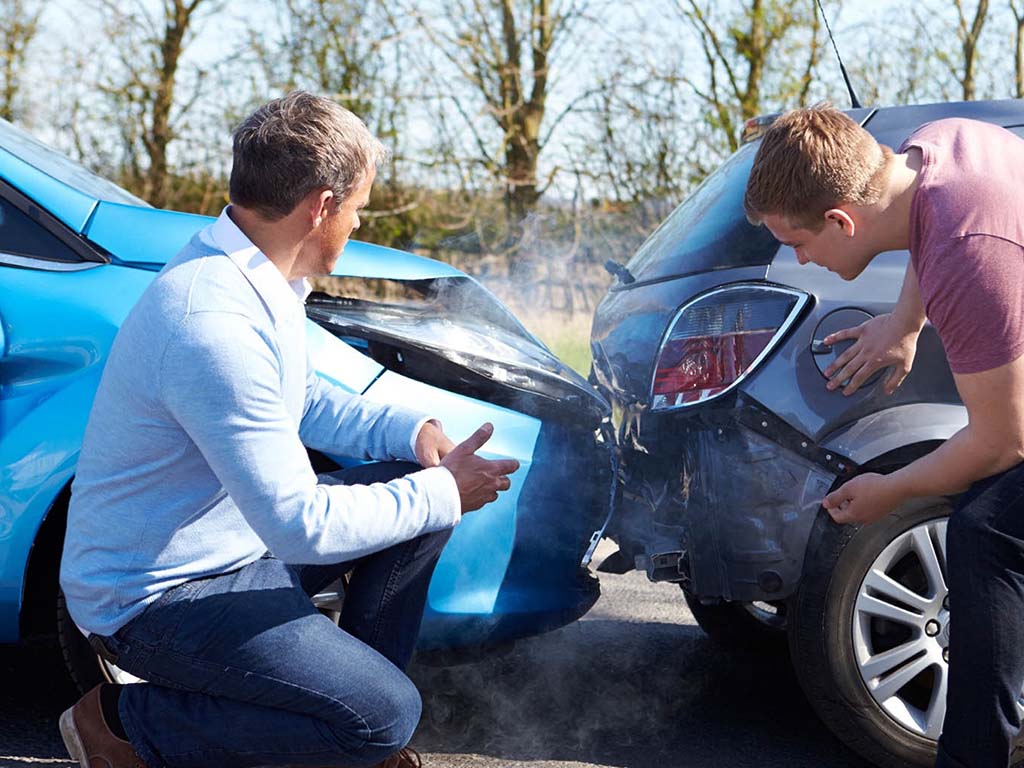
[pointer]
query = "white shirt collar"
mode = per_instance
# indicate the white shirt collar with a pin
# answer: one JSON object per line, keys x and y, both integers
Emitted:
{"x": 280, "y": 295}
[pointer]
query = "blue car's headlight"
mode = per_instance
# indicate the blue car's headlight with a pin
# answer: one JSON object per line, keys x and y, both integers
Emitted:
{"x": 453, "y": 333}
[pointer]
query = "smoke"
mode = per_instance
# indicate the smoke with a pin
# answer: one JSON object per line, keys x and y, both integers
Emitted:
{"x": 552, "y": 262}
{"x": 583, "y": 693}
{"x": 634, "y": 683}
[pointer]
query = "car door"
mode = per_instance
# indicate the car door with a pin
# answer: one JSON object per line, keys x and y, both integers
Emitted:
{"x": 60, "y": 305}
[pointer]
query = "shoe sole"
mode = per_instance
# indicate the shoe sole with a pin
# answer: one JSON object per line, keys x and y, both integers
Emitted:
{"x": 72, "y": 741}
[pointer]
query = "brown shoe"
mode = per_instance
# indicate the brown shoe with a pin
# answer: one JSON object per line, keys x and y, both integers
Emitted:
{"x": 405, "y": 758}
{"x": 89, "y": 740}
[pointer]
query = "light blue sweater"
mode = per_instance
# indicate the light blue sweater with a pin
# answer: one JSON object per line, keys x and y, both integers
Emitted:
{"x": 193, "y": 461}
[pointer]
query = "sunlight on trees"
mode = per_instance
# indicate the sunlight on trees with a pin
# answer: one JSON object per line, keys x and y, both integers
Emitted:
{"x": 19, "y": 24}
{"x": 532, "y": 139}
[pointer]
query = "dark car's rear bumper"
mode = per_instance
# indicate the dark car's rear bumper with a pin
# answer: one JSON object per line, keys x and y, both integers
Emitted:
{"x": 722, "y": 500}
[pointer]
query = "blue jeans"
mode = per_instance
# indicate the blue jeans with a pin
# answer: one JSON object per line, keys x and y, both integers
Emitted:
{"x": 244, "y": 671}
{"x": 985, "y": 564}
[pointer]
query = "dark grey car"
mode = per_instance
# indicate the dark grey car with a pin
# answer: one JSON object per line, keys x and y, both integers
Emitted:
{"x": 711, "y": 347}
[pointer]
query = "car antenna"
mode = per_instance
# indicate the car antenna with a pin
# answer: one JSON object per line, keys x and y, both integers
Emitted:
{"x": 854, "y": 101}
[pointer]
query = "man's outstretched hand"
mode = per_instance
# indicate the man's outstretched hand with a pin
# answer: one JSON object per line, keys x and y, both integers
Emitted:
{"x": 479, "y": 480}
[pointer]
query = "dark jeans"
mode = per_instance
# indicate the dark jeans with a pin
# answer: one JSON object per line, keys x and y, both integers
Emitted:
{"x": 985, "y": 556}
{"x": 244, "y": 671}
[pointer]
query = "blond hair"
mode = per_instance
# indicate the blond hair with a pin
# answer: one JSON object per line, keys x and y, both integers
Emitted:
{"x": 811, "y": 160}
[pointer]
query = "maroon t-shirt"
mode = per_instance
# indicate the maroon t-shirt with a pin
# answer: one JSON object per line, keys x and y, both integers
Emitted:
{"x": 967, "y": 240}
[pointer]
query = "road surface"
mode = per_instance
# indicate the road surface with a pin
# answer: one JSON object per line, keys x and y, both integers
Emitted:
{"x": 634, "y": 684}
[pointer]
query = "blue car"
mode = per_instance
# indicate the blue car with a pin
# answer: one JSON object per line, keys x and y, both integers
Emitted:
{"x": 76, "y": 251}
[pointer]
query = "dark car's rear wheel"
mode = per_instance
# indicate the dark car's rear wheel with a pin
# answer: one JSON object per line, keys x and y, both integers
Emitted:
{"x": 743, "y": 626}
{"x": 868, "y": 633}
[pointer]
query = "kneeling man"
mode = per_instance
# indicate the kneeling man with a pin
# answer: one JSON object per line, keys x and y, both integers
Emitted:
{"x": 198, "y": 531}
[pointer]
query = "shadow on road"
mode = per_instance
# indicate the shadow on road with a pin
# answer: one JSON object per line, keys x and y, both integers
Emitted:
{"x": 34, "y": 691}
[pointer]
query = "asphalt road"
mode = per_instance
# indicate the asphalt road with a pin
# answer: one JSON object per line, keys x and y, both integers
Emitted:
{"x": 634, "y": 684}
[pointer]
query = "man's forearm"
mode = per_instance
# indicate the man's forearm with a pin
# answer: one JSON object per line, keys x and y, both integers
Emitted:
{"x": 909, "y": 309}
{"x": 953, "y": 466}
{"x": 350, "y": 425}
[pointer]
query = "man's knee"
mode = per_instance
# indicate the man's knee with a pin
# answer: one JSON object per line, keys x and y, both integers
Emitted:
{"x": 387, "y": 727}
{"x": 397, "y": 720}
{"x": 966, "y": 531}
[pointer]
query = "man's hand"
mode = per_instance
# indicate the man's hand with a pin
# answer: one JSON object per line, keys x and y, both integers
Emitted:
{"x": 432, "y": 444}
{"x": 863, "y": 500}
{"x": 479, "y": 479}
{"x": 881, "y": 342}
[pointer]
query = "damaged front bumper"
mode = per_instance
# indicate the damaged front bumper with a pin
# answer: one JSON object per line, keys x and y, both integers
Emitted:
{"x": 513, "y": 568}
{"x": 721, "y": 500}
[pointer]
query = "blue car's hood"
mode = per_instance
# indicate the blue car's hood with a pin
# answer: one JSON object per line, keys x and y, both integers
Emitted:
{"x": 150, "y": 237}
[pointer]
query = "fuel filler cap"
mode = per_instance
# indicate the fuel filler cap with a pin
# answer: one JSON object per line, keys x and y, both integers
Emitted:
{"x": 838, "y": 320}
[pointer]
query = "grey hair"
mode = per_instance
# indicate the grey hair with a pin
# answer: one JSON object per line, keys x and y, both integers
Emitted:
{"x": 296, "y": 144}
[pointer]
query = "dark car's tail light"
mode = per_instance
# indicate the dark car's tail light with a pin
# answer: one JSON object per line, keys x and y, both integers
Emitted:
{"x": 718, "y": 338}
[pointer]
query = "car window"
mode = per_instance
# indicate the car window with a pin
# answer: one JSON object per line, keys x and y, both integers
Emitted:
{"x": 22, "y": 236}
{"x": 709, "y": 229}
{"x": 61, "y": 167}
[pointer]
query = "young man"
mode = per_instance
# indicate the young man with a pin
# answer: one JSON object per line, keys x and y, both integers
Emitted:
{"x": 197, "y": 530}
{"x": 821, "y": 184}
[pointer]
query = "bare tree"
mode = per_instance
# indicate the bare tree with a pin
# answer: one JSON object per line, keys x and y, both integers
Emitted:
{"x": 948, "y": 34}
{"x": 752, "y": 59}
{"x": 19, "y": 23}
{"x": 634, "y": 149}
{"x": 507, "y": 52}
{"x": 353, "y": 51}
{"x": 346, "y": 49}
{"x": 1018, "y": 57}
{"x": 141, "y": 89}
{"x": 813, "y": 59}
{"x": 968, "y": 33}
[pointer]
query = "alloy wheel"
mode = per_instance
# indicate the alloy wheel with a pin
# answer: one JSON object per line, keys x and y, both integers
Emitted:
{"x": 901, "y": 626}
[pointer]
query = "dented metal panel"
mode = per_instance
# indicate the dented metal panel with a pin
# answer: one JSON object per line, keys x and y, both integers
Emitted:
{"x": 880, "y": 433}
{"x": 722, "y": 498}
{"x": 733, "y": 506}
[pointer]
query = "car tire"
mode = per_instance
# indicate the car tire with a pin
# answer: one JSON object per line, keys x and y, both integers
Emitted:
{"x": 741, "y": 626}
{"x": 81, "y": 662}
{"x": 824, "y": 644}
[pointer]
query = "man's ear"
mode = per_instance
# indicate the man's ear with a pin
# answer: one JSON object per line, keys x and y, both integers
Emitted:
{"x": 837, "y": 217}
{"x": 320, "y": 206}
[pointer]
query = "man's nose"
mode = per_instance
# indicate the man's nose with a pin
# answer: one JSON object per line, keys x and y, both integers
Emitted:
{"x": 801, "y": 257}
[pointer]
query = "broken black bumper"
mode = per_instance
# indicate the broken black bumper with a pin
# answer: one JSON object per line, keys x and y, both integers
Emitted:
{"x": 721, "y": 500}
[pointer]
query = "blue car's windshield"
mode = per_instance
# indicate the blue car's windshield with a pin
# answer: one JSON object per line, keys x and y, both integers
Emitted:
{"x": 61, "y": 167}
